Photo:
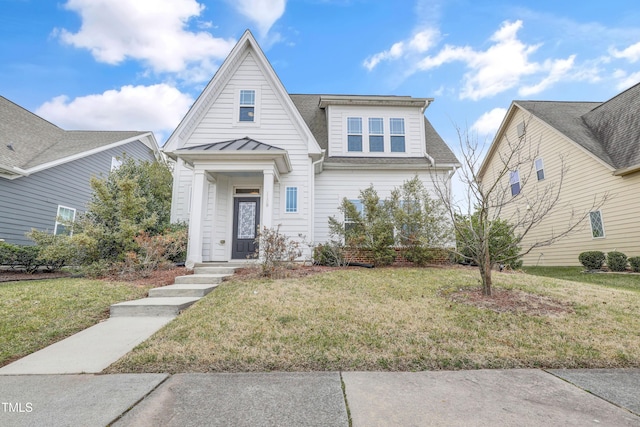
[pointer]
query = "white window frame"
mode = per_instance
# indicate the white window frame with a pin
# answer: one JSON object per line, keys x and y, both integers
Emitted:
{"x": 355, "y": 132}
{"x": 394, "y": 132}
{"x": 58, "y": 215}
{"x": 539, "y": 164}
{"x": 593, "y": 236}
{"x": 513, "y": 182}
{"x": 256, "y": 107}
{"x": 287, "y": 193}
{"x": 376, "y": 133}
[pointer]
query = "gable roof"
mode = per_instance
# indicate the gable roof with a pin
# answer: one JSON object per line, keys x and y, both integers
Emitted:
{"x": 609, "y": 131}
{"x": 29, "y": 143}
{"x": 246, "y": 43}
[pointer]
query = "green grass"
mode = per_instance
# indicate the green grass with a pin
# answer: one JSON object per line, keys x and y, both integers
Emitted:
{"x": 391, "y": 319}
{"x": 578, "y": 274}
{"x": 35, "y": 314}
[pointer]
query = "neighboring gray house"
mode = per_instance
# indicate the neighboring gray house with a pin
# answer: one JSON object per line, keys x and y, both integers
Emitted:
{"x": 45, "y": 170}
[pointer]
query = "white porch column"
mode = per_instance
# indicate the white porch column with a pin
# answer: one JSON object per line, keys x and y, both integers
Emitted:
{"x": 196, "y": 219}
{"x": 267, "y": 199}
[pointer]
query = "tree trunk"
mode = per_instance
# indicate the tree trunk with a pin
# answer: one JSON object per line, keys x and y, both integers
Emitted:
{"x": 485, "y": 272}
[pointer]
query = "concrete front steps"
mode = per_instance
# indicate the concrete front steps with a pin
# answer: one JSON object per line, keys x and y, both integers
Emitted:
{"x": 169, "y": 301}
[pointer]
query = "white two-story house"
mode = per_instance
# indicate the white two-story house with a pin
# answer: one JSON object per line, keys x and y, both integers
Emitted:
{"x": 250, "y": 155}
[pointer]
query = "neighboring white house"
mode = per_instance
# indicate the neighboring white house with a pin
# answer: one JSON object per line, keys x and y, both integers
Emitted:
{"x": 248, "y": 154}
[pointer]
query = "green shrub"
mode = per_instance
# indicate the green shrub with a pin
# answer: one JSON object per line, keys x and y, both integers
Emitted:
{"x": 330, "y": 254}
{"x": 592, "y": 260}
{"x": 634, "y": 261}
{"x": 7, "y": 253}
{"x": 616, "y": 261}
{"x": 15, "y": 256}
{"x": 56, "y": 251}
{"x": 278, "y": 252}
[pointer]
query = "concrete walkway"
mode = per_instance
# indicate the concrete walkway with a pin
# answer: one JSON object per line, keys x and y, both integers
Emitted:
{"x": 526, "y": 397}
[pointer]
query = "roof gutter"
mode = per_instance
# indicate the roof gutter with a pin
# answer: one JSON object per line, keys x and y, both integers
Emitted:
{"x": 627, "y": 171}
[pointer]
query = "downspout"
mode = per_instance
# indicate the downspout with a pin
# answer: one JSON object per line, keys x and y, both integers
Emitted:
{"x": 312, "y": 196}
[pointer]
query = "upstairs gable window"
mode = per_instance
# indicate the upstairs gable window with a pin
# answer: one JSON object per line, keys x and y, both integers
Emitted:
{"x": 514, "y": 181}
{"x": 396, "y": 127}
{"x": 247, "y": 105}
{"x": 539, "y": 169}
{"x": 376, "y": 135}
{"x": 354, "y": 133}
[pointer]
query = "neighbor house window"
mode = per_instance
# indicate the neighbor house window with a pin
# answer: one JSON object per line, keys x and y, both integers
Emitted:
{"x": 63, "y": 220}
{"x": 376, "y": 135}
{"x": 597, "y": 226}
{"x": 354, "y": 133}
{"x": 539, "y": 169}
{"x": 291, "y": 200}
{"x": 396, "y": 127}
{"x": 115, "y": 163}
{"x": 514, "y": 181}
{"x": 247, "y": 105}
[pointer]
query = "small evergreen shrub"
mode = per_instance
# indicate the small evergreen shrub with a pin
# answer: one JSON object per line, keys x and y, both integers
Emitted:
{"x": 330, "y": 254}
{"x": 634, "y": 262}
{"x": 616, "y": 261}
{"x": 592, "y": 260}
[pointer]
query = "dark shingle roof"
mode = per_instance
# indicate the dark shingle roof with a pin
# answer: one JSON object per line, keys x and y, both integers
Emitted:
{"x": 27, "y": 140}
{"x": 316, "y": 119}
{"x": 609, "y": 130}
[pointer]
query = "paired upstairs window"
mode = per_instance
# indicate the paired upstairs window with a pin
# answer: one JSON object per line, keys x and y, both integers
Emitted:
{"x": 514, "y": 181}
{"x": 376, "y": 135}
{"x": 291, "y": 200}
{"x": 247, "y": 105}
{"x": 397, "y": 135}
{"x": 354, "y": 134}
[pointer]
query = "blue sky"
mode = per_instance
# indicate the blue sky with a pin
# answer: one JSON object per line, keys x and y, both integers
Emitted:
{"x": 124, "y": 64}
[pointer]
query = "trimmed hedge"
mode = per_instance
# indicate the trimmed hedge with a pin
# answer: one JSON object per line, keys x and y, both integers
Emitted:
{"x": 634, "y": 261}
{"x": 616, "y": 261}
{"x": 14, "y": 256}
{"x": 592, "y": 260}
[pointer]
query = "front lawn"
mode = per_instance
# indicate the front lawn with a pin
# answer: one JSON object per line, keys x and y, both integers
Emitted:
{"x": 577, "y": 274}
{"x": 35, "y": 314}
{"x": 395, "y": 319}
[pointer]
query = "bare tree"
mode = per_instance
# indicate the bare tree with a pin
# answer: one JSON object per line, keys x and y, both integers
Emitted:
{"x": 496, "y": 203}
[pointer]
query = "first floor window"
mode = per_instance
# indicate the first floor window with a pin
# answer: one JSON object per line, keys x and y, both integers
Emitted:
{"x": 115, "y": 163}
{"x": 65, "y": 217}
{"x": 349, "y": 222}
{"x": 354, "y": 133}
{"x": 514, "y": 181}
{"x": 539, "y": 169}
{"x": 291, "y": 200}
{"x": 396, "y": 128}
{"x": 597, "y": 226}
{"x": 247, "y": 105}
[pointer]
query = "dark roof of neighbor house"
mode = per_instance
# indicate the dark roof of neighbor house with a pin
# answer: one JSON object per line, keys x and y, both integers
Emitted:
{"x": 609, "y": 130}
{"x": 27, "y": 140}
{"x": 316, "y": 119}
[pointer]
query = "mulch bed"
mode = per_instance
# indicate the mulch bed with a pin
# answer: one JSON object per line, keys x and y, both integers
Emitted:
{"x": 512, "y": 301}
{"x": 15, "y": 275}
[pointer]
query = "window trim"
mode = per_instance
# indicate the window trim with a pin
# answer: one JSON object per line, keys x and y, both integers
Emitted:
{"x": 73, "y": 218}
{"x": 287, "y": 193}
{"x": 541, "y": 169}
{"x": 376, "y": 134}
{"x": 513, "y": 182}
{"x": 237, "y": 105}
{"x": 115, "y": 163}
{"x": 395, "y": 134}
{"x": 354, "y": 133}
{"x": 599, "y": 212}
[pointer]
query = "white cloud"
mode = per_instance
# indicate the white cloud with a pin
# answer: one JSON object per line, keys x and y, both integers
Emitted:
{"x": 631, "y": 53}
{"x": 153, "y": 32}
{"x": 263, "y": 12}
{"x": 625, "y": 81}
{"x": 489, "y": 122}
{"x": 557, "y": 70}
{"x": 158, "y": 108}
{"x": 420, "y": 42}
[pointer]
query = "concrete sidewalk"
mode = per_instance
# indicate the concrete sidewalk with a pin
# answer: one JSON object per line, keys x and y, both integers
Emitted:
{"x": 526, "y": 397}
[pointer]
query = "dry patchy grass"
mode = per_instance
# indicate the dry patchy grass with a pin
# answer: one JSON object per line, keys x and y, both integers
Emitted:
{"x": 393, "y": 319}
